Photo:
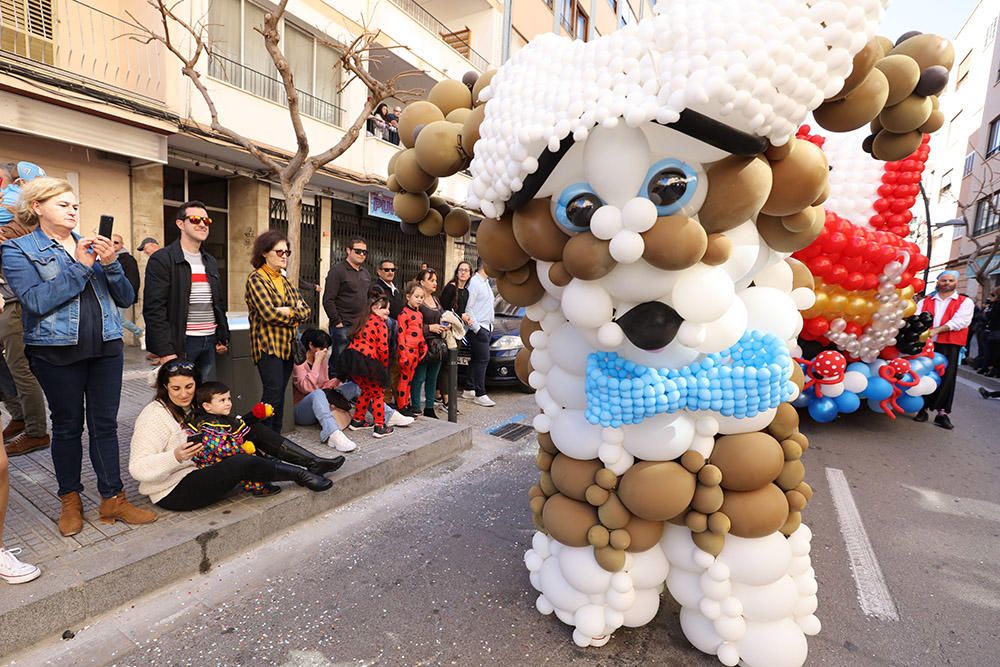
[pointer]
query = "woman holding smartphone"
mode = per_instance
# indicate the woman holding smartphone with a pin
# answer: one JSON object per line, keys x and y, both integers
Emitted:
{"x": 426, "y": 375}
{"x": 71, "y": 289}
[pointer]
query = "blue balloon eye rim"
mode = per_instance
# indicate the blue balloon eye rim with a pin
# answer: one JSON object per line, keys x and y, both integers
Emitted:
{"x": 565, "y": 197}
{"x": 686, "y": 169}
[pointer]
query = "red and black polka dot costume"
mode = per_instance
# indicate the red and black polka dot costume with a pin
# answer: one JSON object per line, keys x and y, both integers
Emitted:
{"x": 366, "y": 360}
{"x": 412, "y": 348}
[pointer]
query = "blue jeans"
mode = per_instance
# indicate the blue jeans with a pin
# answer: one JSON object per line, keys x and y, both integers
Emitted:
{"x": 315, "y": 408}
{"x": 479, "y": 341}
{"x": 200, "y": 351}
{"x": 426, "y": 376}
{"x": 91, "y": 388}
{"x": 274, "y": 375}
{"x": 130, "y": 325}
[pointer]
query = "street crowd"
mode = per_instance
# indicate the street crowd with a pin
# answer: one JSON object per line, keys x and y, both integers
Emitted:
{"x": 65, "y": 300}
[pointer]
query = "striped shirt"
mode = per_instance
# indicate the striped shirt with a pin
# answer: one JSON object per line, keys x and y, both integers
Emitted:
{"x": 201, "y": 316}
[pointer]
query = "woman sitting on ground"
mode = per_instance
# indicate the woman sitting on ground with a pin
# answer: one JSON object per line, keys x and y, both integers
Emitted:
{"x": 161, "y": 454}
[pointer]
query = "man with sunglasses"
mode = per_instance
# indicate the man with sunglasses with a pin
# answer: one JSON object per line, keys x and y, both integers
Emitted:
{"x": 182, "y": 299}
{"x": 345, "y": 294}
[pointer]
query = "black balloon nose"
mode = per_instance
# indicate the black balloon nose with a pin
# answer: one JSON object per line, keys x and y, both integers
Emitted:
{"x": 651, "y": 325}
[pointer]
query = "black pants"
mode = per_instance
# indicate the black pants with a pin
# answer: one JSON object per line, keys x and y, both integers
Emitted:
{"x": 209, "y": 485}
{"x": 944, "y": 395}
{"x": 479, "y": 341}
{"x": 274, "y": 375}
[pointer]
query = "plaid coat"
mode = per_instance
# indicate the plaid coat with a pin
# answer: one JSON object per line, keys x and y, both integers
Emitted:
{"x": 272, "y": 332}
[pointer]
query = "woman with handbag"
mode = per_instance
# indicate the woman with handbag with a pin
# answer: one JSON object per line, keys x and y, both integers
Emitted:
{"x": 276, "y": 311}
{"x": 426, "y": 375}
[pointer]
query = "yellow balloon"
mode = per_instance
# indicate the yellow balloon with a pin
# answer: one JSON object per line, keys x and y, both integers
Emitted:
{"x": 856, "y": 305}
{"x": 906, "y": 293}
{"x": 838, "y": 303}
{"x": 910, "y": 309}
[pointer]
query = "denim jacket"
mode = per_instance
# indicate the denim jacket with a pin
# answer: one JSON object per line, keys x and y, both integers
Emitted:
{"x": 49, "y": 283}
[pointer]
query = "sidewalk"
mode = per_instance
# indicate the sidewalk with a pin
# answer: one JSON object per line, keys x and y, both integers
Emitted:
{"x": 107, "y": 565}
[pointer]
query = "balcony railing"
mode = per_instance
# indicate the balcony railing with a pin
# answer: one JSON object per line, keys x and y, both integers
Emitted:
{"x": 75, "y": 38}
{"x": 271, "y": 88}
{"x": 429, "y": 21}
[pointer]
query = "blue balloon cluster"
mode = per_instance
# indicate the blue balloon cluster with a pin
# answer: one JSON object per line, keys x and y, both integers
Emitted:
{"x": 825, "y": 409}
{"x": 748, "y": 378}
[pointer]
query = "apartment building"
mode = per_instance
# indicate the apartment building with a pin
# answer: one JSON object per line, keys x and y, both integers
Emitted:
{"x": 115, "y": 116}
{"x": 962, "y": 177}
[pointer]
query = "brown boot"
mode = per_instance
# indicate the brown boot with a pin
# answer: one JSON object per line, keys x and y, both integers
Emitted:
{"x": 120, "y": 509}
{"x": 14, "y": 426}
{"x": 26, "y": 443}
{"x": 71, "y": 516}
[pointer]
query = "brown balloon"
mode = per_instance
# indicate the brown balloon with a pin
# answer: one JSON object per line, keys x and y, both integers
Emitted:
{"x": 558, "y": 274}
{"x": 906, "y": 116}
{"x": 596, "y": 495}
{"x": 934, "y": 122}
{"x": 613, "y": 513}
{"x": 737, "y": 189}
{"x": 458, "y": 115}
{"x": 889, "y": 146}
{"x": 644, "y": 534}
{"x": 928, "y": 50}
{"x": 569, "y": 520}
{"x": 674, "y": 242}
{"x": 481, "y": 83}
{"x": 522, "y": 365}
{"x": 801, "y": 221}
{"x": 798, "y": 180}
{"x": 545, "y": 482}
{"x": 449, "y": 94}
{"x": 776, "y": 153}
{"x": 545, "y": 442}
{"x": 785, "y": 422}
{"x": 720, "y": 248}
{"x": 707, "y": 499}
{"x": 748, "y": 461}
{"x": 432, "y": 224}
{"x": 857, "y": 109}
{"x": 470, "y": 129}
{"x": 801, "y": 275}
{"x": 864, "y": 60}
{"x": 792, "y": 523}
{"x": 599, "y": 536}
{"x": 537, "y": 233}
{"x": 457, "y": 223}
{"x": 572, "y": 477}
{"x": 792, "y": 474}
{"x": 417, "y": 113}
{"x": 440, "y": 205}
{"x": 656, "y": 490}
{"x": 587, "y": 257}
{"x": 902, "y": 73}
{"x": 609, "y": 558}
{"x": 777, "y": 236}
{"x": 528, "y": 327}
{"x": 709, "y": 542}
{"x": 439, "y": 149}
{"x": 392, "y": 184}
{"x": 519, "y": 276}
{"x": 497, "y": 245}
{"x": 756, "y": 513}
{"x": 411, "y": 207}
{"x": 410, "y": 176}
{"x": 526, "y": 293}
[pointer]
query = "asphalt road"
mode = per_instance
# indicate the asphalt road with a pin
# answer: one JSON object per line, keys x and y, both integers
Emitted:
{"x": 429, "y": 572}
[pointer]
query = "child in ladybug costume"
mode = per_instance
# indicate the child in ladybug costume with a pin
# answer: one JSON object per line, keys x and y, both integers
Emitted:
{"x": 412, "y": 346}
{"x": 366, "y": 361}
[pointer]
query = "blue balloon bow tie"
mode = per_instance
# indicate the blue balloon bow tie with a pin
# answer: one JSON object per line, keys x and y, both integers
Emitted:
{"x": 750, "y": 377}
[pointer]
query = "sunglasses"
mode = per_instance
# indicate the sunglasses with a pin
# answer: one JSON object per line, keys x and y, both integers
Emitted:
{"x": 392, "y": 270}
{"x": 117, "y": 242}
{"x": 359, "y": 251}
{"x": 283, "y": 253}
{"x": 199, "y": 220}
{"x": 174, "y": 367}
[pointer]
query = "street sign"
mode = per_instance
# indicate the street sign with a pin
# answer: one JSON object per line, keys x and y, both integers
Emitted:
{"x": 380, "y": 206}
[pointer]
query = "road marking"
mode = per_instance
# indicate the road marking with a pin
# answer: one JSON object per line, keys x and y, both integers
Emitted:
{"x": 873, "y": 593}
{"x": 969, "y": 383}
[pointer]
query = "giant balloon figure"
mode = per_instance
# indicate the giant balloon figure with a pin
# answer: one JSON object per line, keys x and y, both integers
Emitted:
{"x": 643, "y": 192}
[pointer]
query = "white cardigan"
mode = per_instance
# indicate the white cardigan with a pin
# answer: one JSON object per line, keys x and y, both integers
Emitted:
{"x": 152, "y": 462}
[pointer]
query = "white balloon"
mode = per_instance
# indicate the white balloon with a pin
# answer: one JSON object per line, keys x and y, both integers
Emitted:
{"x": 643, "y": 609}
{"x": 680, "y": 549}
{"x": 775, "y": 644}
{"x": 626, "y": 247}
{"x": 648, "y": 569}
{"x": 582, "y": 572}
{"x": 700, "y": 631}
{"x": 638, "y": 214}
{"x": 855, "y": 382}
{"x": 732, "y": 425}
{"x": 833, "y": 390}
{"x": 557, "y": 590}
{"x": 659, "y": 438}
{"x": 606, "y": 222}
{"x": 575, "y": 436}
{"x": 771, "y": 310}
{"x": 768, "y": 603}
{"x": 566, "y": 389}
{"x": 725, "y": 331}
{"x": 757, "y": 562}
{"x": 615, "y": 161}
{"x": 703, "y": 293}
{"x": 585, "y": 304}
{"x": 590, "y": 620}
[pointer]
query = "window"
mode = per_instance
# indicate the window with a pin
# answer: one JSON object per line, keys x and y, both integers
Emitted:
{"x": 582, "y": 25}
{"x": 614, "y": 6}
{"x": 987, "y": 215}
{"x": 26, "y": 29}
{"x": 970, "y": 161}
{"x": 991, "y": 33}
{"x": 993, "y": 144}
{"x": 574, "y": 20}
{"x": 240, "y": 58}
{"x": 963, "y": 70}
{"x": 626, "y": 16}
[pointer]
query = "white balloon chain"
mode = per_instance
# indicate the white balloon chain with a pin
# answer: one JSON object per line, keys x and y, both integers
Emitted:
{"x": 886, "y": 321}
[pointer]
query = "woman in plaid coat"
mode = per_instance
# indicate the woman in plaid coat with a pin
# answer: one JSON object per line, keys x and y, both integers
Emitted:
{"x": 276, "y": 310}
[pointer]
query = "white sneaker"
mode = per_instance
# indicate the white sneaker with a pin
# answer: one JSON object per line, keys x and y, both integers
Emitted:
{"x": 14, "y": 571}
{"x": 469, "y": 394}
{"x": 399, "y": 419}
{"x": 341, "y": 442}
{"x": 484, "y": 401}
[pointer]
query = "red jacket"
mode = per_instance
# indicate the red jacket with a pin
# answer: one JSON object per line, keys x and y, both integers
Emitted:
{"x": 373, "y": 340}
{"x": 411, "y": 331}
{"x": 959, "y": 337}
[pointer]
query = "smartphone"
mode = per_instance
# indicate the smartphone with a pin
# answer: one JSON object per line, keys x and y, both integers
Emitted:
{"x": 107, "y": 226}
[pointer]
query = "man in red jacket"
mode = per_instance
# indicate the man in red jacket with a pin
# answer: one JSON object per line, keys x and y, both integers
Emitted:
{"x": 952, "y": 315}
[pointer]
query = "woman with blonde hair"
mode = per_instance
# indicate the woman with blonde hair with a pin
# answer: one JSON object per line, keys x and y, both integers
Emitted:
{"x": 70, "y": 289}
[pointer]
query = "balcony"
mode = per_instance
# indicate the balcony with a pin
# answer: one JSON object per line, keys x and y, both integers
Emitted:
{"x": 271, "y": 88}
{"x": 456, "y": 39}
{"x": 71, "y": 41}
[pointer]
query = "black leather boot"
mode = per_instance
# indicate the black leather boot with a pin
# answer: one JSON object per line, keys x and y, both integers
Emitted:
{"x": 282, "y": 448}
{"x": 284, "y": 472}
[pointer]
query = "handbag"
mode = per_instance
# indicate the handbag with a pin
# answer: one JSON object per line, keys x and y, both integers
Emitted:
{"x": 437, "y": 349}
{"x": 298, "y": 351}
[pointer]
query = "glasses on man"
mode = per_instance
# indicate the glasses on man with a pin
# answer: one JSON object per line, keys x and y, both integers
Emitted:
{"x": 116, "y": 242}
{"x": 388, "y": 269}
{"x": 359, "y": 251}
{"x": 199, "y": 220}
{"x": 283, "y": 253}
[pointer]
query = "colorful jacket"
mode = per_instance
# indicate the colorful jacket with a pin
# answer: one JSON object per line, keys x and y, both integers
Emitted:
{"x": 272, "y": 332}
{"x": 411, "y": 331}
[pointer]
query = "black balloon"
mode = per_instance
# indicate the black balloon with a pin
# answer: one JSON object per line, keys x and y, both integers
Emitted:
{"x": 416, "y": 131}
{"x": 470, "y": 78}
{"x": 932, "y": 81}
{"x": 651, "y": 325}
{"x": 407, "y": 228}
{"x": 906, "y": 35}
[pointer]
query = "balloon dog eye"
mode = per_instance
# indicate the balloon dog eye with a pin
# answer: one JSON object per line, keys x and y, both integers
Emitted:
{"x": 670, "y": 184}
{"x": 575, "y": 207}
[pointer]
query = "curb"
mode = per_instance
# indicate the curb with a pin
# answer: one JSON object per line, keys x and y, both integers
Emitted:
{"x": 84, "y": 584}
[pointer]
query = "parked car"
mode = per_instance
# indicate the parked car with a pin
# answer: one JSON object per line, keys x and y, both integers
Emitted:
{"x": 504, "y": 346}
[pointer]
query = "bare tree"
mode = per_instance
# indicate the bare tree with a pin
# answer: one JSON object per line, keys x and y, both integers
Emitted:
{"x": 292, "y": 173}
{"x": 986, "y": 247}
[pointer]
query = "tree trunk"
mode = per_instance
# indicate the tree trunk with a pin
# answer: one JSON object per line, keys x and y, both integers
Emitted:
{"x": 293, "y": 205}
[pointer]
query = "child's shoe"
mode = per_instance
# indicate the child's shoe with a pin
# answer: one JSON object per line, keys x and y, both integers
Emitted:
{"x": 358, "y": 424}
{"x": 382, "y": 431}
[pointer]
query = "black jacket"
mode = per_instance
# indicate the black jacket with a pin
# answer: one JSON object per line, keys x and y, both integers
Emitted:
{"x": 131, "y": 268}
{"x": 395, "y": 298}
{"x": 345, "y": 293}
{"x": 166, "y": 296}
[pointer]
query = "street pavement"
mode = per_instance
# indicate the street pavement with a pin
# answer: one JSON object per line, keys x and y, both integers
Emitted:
{"x": 429, "y": 571}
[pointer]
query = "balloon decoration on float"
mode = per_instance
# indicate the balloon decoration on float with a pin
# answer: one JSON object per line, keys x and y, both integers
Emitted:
{"x": 642, "y": 194}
